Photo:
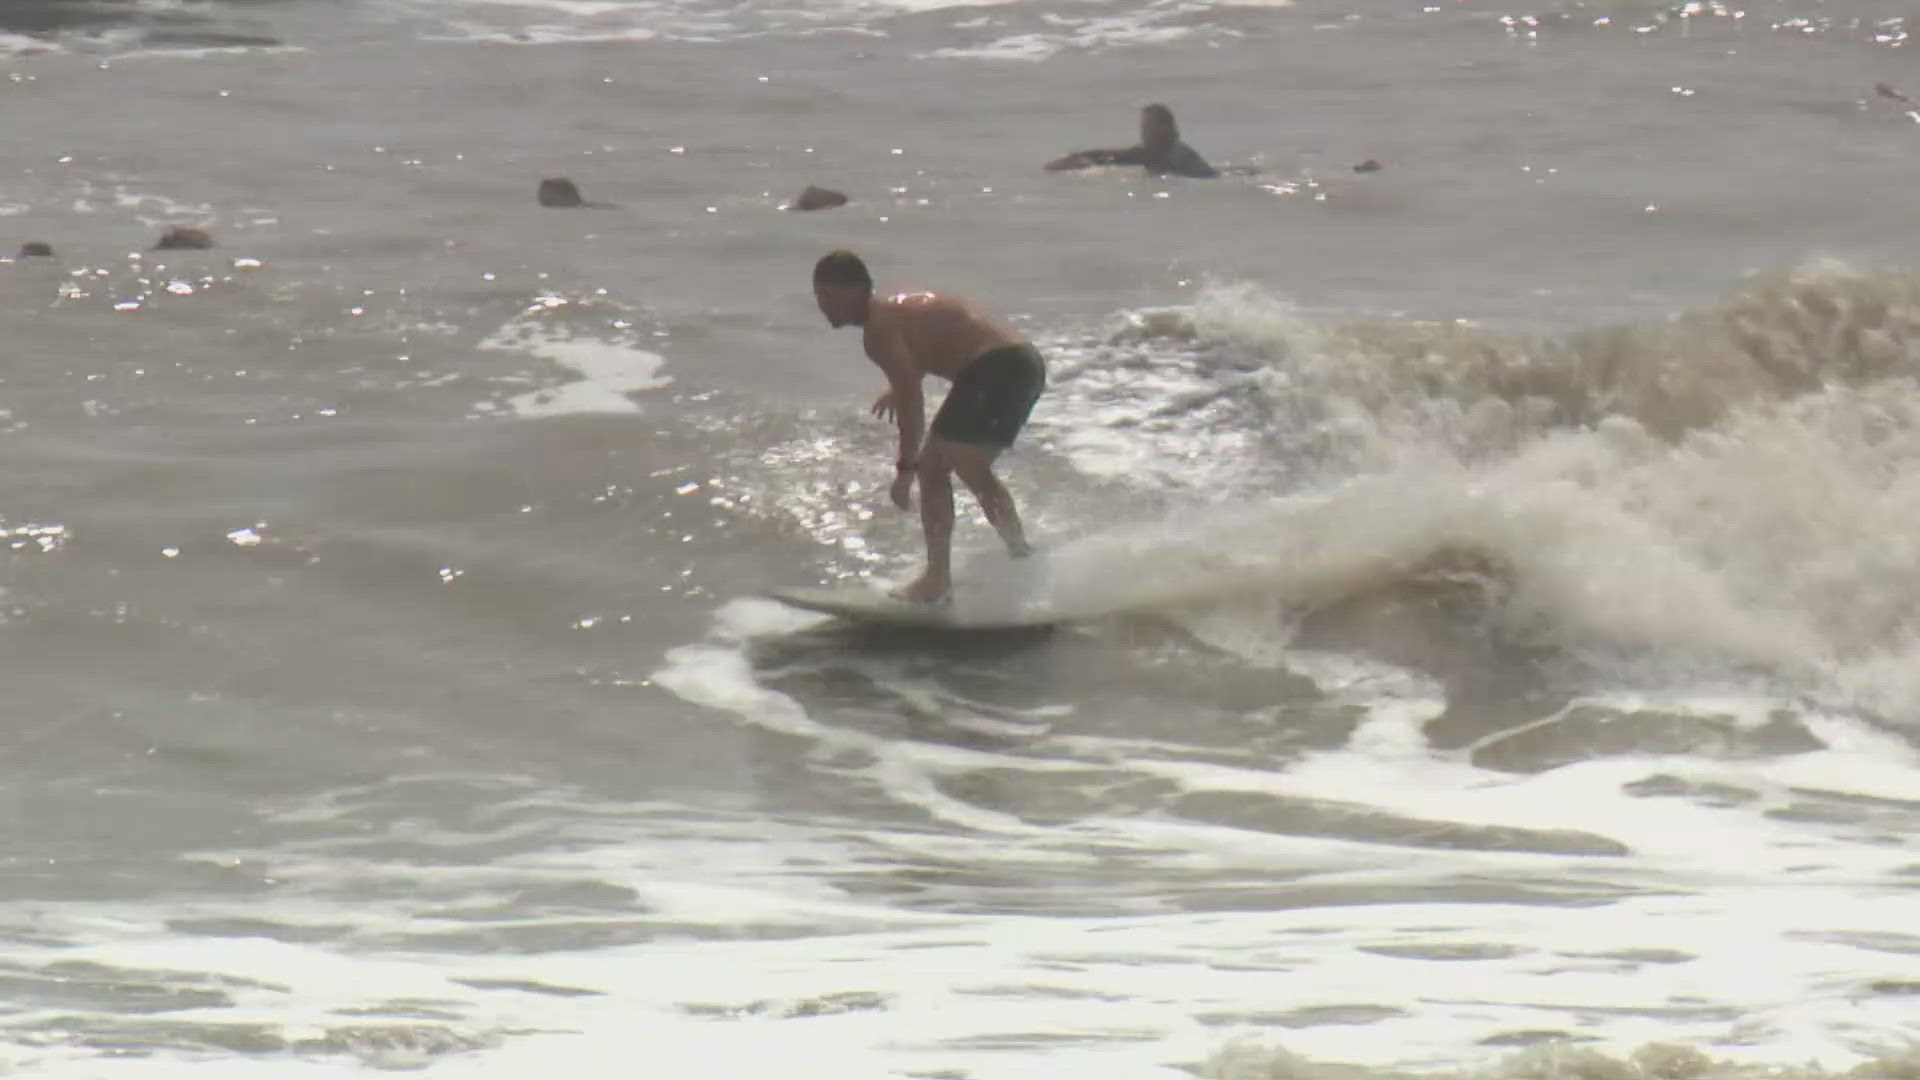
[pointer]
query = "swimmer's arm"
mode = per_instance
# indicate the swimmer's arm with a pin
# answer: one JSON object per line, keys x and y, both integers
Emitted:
{"x": 889, "y": 350}
{"x": 1081, "y": 159}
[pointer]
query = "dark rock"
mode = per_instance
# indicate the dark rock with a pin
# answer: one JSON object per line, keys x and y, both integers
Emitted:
{"x": 33, "y": 248}
{"x": 184, "y": 237}
{"x": 560, "y": 191}
{"x": 817, "y": 198}
{"x": 1369, "y": 165}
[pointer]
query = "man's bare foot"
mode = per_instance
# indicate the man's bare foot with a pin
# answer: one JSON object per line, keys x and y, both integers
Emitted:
{"x": 927, "y": 589}
{"x": 1019, "y": 549}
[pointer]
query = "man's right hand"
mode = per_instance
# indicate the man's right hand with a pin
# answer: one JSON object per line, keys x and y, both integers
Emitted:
{"x": 885, "y": 407}
{"x": 902, "y": 490}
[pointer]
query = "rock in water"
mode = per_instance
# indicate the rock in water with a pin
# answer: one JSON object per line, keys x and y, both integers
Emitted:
{"x": 817, "y": 198}
{"x": 184, "y": 237}
{"x": 559, "y": 191}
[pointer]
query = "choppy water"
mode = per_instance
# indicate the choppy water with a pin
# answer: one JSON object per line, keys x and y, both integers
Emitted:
{"x": 1496, "y": 593}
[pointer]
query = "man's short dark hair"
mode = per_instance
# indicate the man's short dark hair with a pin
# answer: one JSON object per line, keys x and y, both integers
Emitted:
{"x": 842, "y": 268}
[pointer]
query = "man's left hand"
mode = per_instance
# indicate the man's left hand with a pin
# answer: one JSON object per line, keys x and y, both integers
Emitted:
{"x": 902, "y": 491}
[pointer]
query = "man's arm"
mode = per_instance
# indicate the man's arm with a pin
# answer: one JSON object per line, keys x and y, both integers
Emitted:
{"x": 889, "y": 350}
{"x": 911, "y": 401}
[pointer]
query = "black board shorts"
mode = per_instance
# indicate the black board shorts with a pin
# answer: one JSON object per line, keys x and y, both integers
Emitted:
{"x": 992, "y": 397}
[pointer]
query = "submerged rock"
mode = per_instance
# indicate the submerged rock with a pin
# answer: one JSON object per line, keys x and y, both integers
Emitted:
{"x": 562, "y": 193}
{"x": 184, "y": 237}
{"x": 559, "y": 191}
{"x": 817, "y": 198}
{"x": 33, "y": 248}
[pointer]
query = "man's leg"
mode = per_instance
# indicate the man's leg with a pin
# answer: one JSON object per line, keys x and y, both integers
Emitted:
{"x": 974, "y": 466}
{"x": 936, "y": 521}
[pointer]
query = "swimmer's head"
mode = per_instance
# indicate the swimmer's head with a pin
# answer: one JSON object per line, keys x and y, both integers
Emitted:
{"x": 842, "y": 287}
{"x": 1157, "y": 129}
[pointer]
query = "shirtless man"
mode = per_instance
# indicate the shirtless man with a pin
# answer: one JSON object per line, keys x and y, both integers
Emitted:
{"x": 1160, "y": 150}
{"x": 996, "y": 376}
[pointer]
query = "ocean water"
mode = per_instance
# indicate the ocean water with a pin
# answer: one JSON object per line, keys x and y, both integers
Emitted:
{"x": 1494, "y": 578}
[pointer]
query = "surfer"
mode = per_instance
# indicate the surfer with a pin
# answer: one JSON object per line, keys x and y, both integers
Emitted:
{"x": 1160, "y": 150}
{"x": 996, "y": 374}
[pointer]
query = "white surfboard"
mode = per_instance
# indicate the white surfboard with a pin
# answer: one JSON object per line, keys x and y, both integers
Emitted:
{"x": 864, "y": 604}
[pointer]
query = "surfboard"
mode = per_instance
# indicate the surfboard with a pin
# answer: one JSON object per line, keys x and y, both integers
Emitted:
{"x": 862, "y": 604}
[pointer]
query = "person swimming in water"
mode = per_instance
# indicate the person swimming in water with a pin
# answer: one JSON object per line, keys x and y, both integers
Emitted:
{"x": 996, "y": 374}
{"x": 1160, "y": 150}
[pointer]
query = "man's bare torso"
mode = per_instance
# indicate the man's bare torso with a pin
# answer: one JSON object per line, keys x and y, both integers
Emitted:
{"x": 942, "y": 333}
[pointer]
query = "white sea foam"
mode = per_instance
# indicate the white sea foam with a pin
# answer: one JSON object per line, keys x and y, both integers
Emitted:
{"x": 607, "y": 374}
{"x": 1088, "y": 35}
{"x": 24, "y": 45}
{"x": 708, "y": 939}
{"x": 1665, "y": 957}
{"x": 1768, "y": 533}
